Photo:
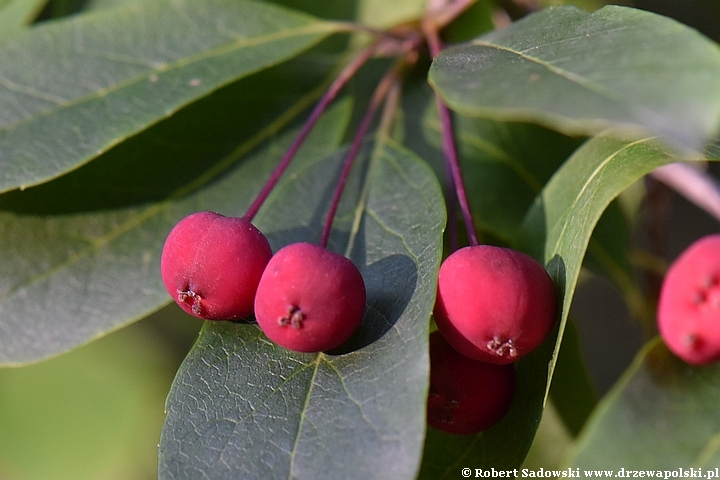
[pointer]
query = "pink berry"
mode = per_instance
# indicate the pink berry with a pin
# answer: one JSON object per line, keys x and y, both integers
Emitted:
{"x": 689, "y": 305}
{"x": 466, "y": 396}
{"x": 309, "y": 298}
{"x": 494, "y": 304}
{"x": 211, "y": 265}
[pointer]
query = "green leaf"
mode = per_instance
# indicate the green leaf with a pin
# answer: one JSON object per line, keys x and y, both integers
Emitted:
{"x": 662, "y": 414}
{"x": 242, "y": 407}
{"x": 80, "y": 254}
{"x": 93, "y": 413}
{"x": 557, "y": 229}
{"x": 108, "y": 75}
{"x": 16, "y": 14}
{"x": 713, "y": 150}
{"x": 581, "y": 73}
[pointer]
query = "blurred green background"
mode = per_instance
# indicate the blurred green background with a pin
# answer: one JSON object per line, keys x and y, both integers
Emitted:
{"x": 97, "y": 411}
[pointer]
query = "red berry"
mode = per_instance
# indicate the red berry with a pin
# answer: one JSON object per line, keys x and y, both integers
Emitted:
{"x": 466, "y": 396}
{"x": 494, "y": 304}
{"x": 211, "y": 265}
{"x": 309, "y": 298}
{"x": 689, "y": 306}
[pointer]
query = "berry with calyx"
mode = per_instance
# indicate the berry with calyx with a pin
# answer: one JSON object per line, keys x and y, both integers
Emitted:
{"x": 211, "y": 265}
{"x": 309, "y": 299}
{"x": 466, "y": 396}
{"x": 494, "y": 304}
{"x": 689, "y": 305}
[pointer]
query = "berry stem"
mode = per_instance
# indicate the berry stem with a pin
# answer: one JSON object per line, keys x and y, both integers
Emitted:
{"x": 451, "y": 205}
{"x": 448, "y": 139}
{"x": 345, "y": 75}
{"x": 379, "y": 95}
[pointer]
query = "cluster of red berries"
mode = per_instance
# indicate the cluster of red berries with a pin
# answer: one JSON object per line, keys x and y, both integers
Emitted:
{"x": 494, "y": 306}
{"x": 304, "y": 297}
{"x": 688, "y": 312}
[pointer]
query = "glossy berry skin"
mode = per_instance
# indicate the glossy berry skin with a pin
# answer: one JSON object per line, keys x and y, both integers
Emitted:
{"x": 466, "y": 396}
{"x": 494, "y": 304}
{"x": 211, "y": 265}
{"x": 689, "y": 305}
{"x": 310, "y": 299}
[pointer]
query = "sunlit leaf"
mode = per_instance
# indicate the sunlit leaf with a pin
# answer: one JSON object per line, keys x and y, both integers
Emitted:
{"x": 581, "y": 73}
{"x": 108, "y": 75}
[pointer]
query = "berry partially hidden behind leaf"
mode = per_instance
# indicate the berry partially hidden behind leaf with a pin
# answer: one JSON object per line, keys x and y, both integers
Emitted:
{"x": 211, "y": 265}
{"x": 689, "y": 306}
{"x": 494, "y": 304}
{"x": 310, "y": 299}
{"x": 466, "y": 396}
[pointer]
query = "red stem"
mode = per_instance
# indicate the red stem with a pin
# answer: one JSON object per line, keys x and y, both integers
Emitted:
{"x": 448, "y": 140}
{"x": 378, "y": 96}
{"x": 451, "y": 204}
{"x": 341, "y": 80}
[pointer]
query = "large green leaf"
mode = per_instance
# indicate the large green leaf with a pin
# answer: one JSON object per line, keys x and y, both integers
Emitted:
{"x": 80, "y": 254}
{"x": 557, "y": 229}
{"x": 242, "y": 407}
{"x": 581, "y": 72}
{"x": 71, "y": 89}
{"x": 16, "y": 14}
{"x": 663, "y": 414}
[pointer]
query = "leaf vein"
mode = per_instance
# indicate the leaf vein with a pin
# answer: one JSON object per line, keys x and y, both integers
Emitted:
{"x": 568, "y": 75}
{"x": 158, "y": 69}
{"x": 582, "y": 193}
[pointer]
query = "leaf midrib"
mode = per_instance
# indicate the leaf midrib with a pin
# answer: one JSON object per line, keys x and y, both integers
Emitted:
{"x": 566, "y": 74}
{"x": 583, "y": 192}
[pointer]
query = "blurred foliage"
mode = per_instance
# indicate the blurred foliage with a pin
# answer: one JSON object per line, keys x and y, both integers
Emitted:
{"x": 96, "y": 412}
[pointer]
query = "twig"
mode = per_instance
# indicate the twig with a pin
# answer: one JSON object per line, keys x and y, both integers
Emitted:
{"x": 345, "y": 75}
